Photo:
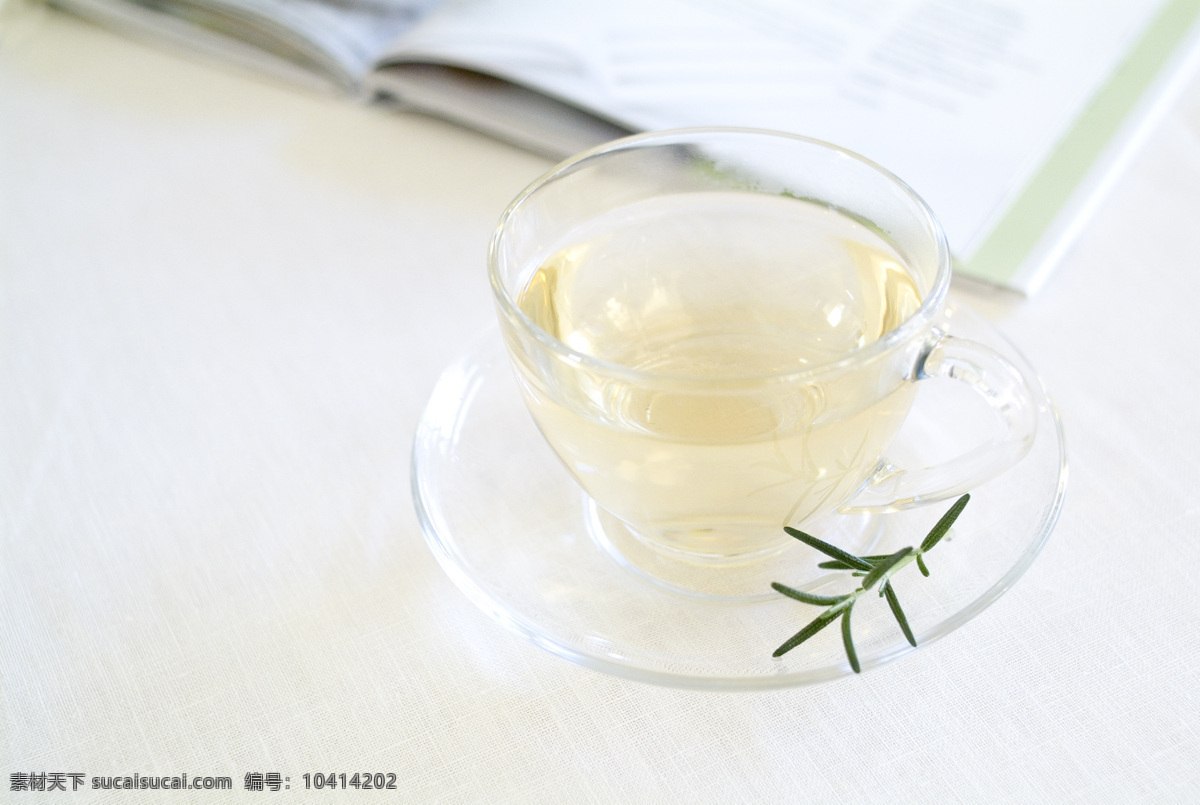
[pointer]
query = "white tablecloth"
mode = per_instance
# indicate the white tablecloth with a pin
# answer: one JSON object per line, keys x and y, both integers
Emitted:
{"x": 223, "y": 304}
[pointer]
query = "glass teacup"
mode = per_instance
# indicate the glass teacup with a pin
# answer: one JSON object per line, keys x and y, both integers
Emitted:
{"x": 720, "y": 332}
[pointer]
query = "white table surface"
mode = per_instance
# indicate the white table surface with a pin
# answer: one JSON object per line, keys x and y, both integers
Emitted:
{"x": 223, "y": 304}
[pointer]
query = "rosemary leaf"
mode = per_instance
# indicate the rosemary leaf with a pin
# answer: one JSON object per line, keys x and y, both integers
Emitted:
{"x": 818, "y": 623}
{"x": 894, "y": 603}
{"x": 883, "y": 566}
{"x": 827, "y": 549}
{"x": 848, "y": 641}
{"x": 943, "y": 525}
{"x": 872, "y": 570}
{"x": 809, "y": 598}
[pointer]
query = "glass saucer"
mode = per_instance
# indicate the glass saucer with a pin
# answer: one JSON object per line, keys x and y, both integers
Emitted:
{"x": 514, "y": 531}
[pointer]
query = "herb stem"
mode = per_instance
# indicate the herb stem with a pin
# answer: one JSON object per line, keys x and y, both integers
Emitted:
{"x": 873, "y": 570}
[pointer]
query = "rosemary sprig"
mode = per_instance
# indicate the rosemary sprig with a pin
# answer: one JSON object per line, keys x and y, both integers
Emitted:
{"x": 873, "y": 570}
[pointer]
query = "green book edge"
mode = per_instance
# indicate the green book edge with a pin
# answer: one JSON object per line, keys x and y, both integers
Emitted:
{"x": 1003, "y": 252}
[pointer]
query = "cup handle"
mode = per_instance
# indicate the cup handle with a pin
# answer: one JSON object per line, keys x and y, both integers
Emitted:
{"x": 1007, "y": 393}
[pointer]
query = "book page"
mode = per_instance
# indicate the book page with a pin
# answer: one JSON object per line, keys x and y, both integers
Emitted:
{"x": 351, "y": 32}
{"x": 326, "y": 43}
{"x": 963, "y": 100}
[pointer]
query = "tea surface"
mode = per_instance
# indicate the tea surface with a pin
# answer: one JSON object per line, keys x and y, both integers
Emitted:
{"x": 723, "y": 288}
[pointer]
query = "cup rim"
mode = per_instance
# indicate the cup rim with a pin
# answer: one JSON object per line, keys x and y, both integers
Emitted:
{"x": 893, "y": 338}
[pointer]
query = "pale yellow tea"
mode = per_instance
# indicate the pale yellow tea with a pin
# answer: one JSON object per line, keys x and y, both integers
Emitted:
{"x": 727, "y": 305}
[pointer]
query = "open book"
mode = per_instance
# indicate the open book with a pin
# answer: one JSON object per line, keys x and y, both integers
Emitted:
{"x": 1010, "y": 117}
